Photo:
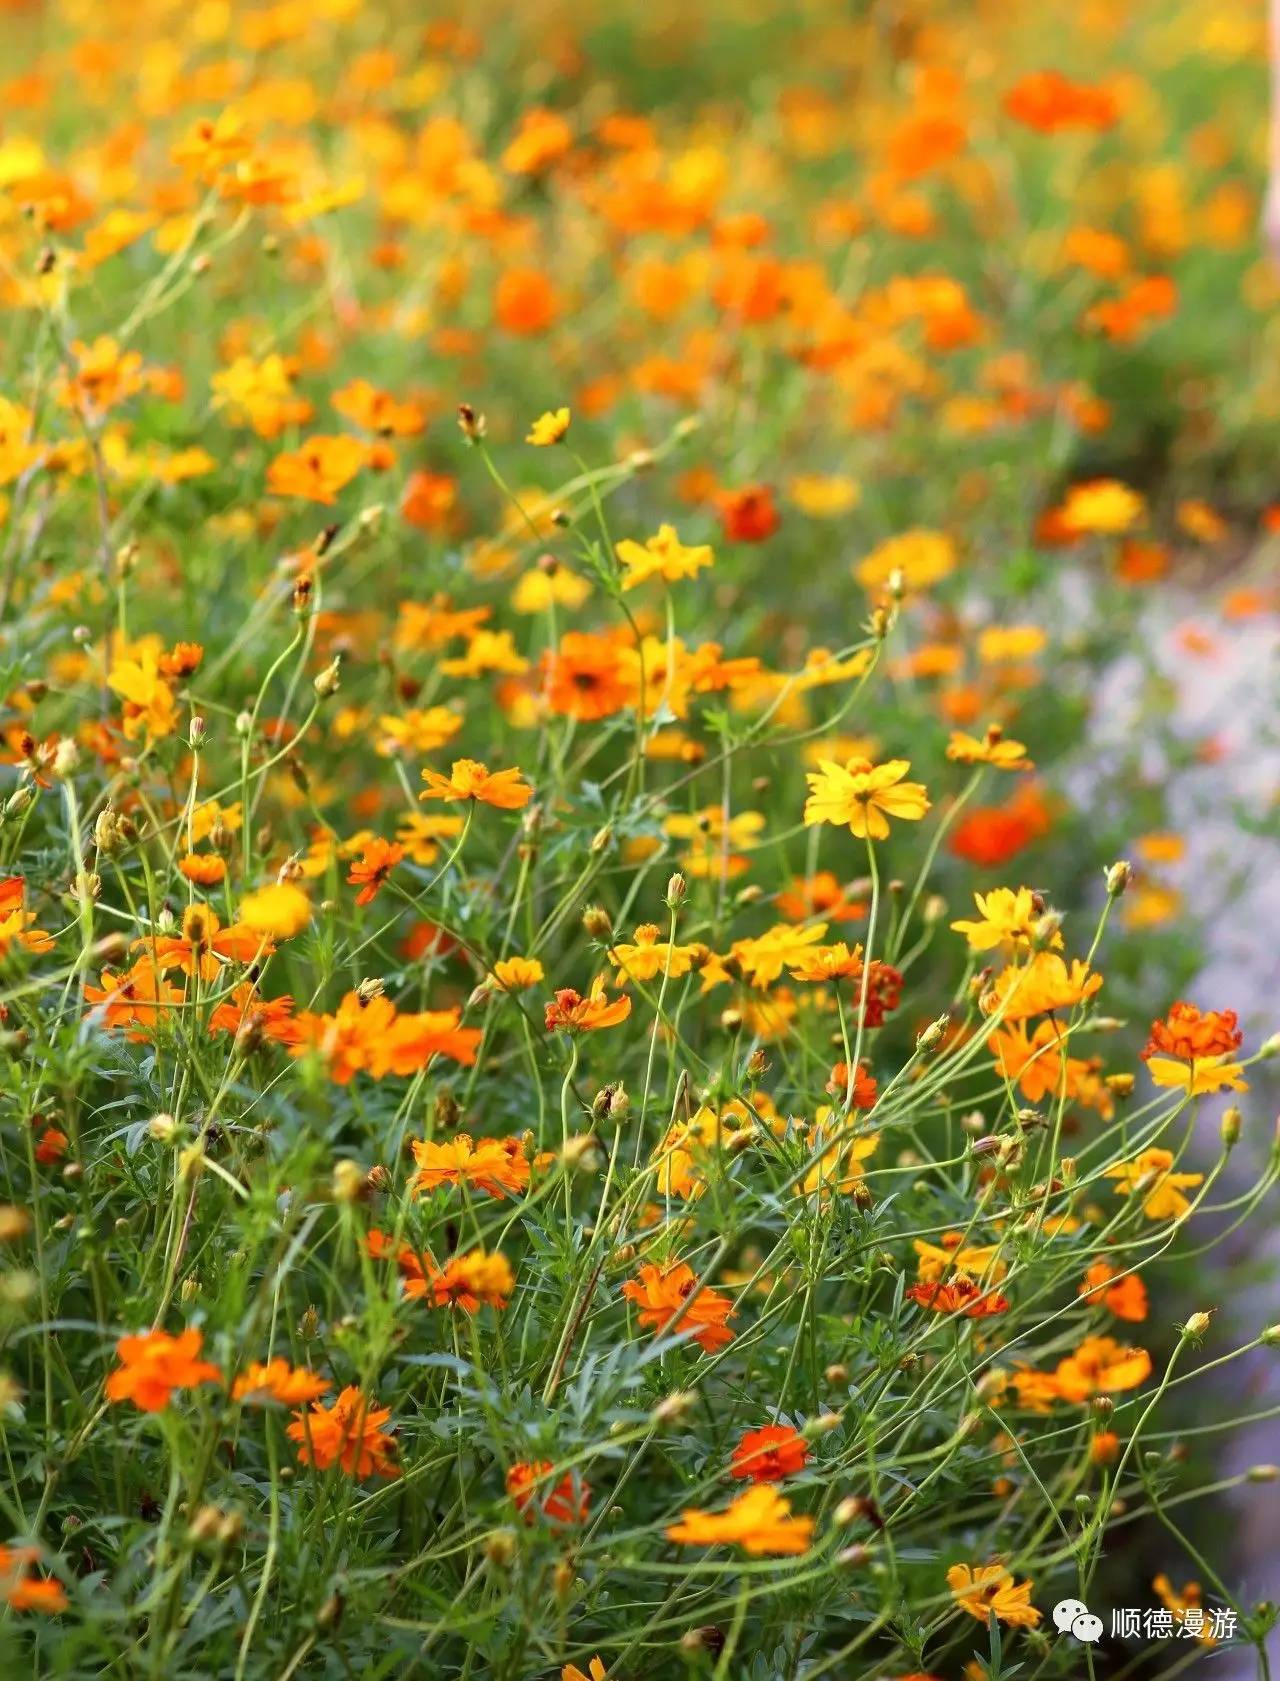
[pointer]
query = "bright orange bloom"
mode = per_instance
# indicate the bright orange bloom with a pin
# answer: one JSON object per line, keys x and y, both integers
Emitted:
{"x": 1050, "y": 102}
{"x": 23, "y": 1592}
{"x": 759, "y": 1521}
{"x": 749, "y": 515}
{"x": 470, "y": 780}
{"x": 16, "y": 922}
{"x": 669, "y": 1300}
{"x": 203, "y": 940}
{"x": 495, "y": 1165}
{"x": 1192, "y": 1049}
{"x": 469, "y": 1281}
{"x": 277, "y": 1380}
{"x": 1126, "y": 1297}
{"x": 372, "y": 869}
{"x": 570, "y": 1012}
{"x": 348, "y": 1433}
{"x": 134, "y": 1000}
{"x": 584, "y": 678}
{"x": 525, "y": 302}
{"x": 1098, "y": 1367}
{"x": 567, "y": 1501}
{"x": 959, "y": 1295}
{"x": 370, "y": 1036}
{"x": 245, "y": 1012}
{"x": 769, "y": 1454}
{"x": 318, "y": 469}
{"x": 154, "y": 1364}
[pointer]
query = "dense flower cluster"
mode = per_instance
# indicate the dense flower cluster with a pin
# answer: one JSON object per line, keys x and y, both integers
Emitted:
{"x": 575, "y": 1096}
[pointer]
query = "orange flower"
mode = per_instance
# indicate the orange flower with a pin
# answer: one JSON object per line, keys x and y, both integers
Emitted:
{"x": 769, "y": 1454}
{"x": 1192, "y": 1050}
{"x": 567, "y": 1501}
{"x": 759, "y": 1521}
{"x": 348, "y": 1433}
{"x": 371, "y": 1036}
{"x": 16, "y": 923}
{"x": 959, "y": 1295}
{"x": 669, "y": 1300}
{"x": 252, "y": 1016}
{"x": 277, "y": 1380}
{"x": 318, "y": 469}
{"x": 749, "y": 515}
{"x": 202, "y": 942}
{"x": 23, "y": 1592}
{"x": 570, "y": 1012}
{"x": 1126, "y": 1297}
{"x": 154, "y": 1364}
{"x": 135, "y": 1000}
{"x": 467, "y": 1281}
{"x": 1050, "y": 102}
{"x": 373, "y": 867}
{"x": 470, "y": 780}
{"x": 525, "y": 302}
{"x": 495, "y": 1165}
{"x": 585, "y": 679}
{"x": 1099, "y": 1366}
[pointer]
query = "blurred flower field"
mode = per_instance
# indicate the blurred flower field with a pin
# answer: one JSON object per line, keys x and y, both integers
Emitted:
{"x": 635, "y": 1004}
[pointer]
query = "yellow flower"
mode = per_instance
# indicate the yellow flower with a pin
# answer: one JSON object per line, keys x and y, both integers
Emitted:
{"x": 991, "y": 1590}
{"x": 990, "y": 749}
{"x": 759, "y": 1521}
{"x": 824, "y": 498}
{"x": 864, "y": 796}
{"x": 279, "y": 911}
{"x": 549, "y": 428}
{"x": 663, "y": 555}
{"x": 537, "y": 590}
{"x": 1103, "y": 506}
{"x": 1006, "y": 918}
{"x": 514, "y": 974}
{"x": 922, "y": 557}
{"x": 650, "y": 956}
{"x": 1004, "y": 644}
{"x": 1149, "y": 1177}
{"x": 1199, "y": 1078}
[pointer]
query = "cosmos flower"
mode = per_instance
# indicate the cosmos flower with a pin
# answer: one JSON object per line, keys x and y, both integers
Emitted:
{"x": 348, "y": 1433}
{"x": 864, "y": 796}
{"x": 759, "y": 1520}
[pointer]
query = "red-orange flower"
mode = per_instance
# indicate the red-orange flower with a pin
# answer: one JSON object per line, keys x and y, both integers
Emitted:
{"x": 1193, "y": 1035}
{"x": 565, "y": 1501}
{"x": 749, "y": 515}
{"x": 959, "y": 1295}
{"x": 570, "y": 1012}
{"x": 373, "y": 867}
{"x": 348, "y": 1433}
{"x": 154, "y": 1364}
{"x": 769, "y": 1454}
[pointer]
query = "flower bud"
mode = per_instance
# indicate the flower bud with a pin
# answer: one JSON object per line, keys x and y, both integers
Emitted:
{"x": 597, "y": 923}
{"x": 1263, "y": 1474}
{"x": 677, "y": 890}
{"x": 1118, "y": 878}
{"x": 328, "y": 681}
{"x": 1197, "y": 1325}
{"x": 1230, "y": 1127}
